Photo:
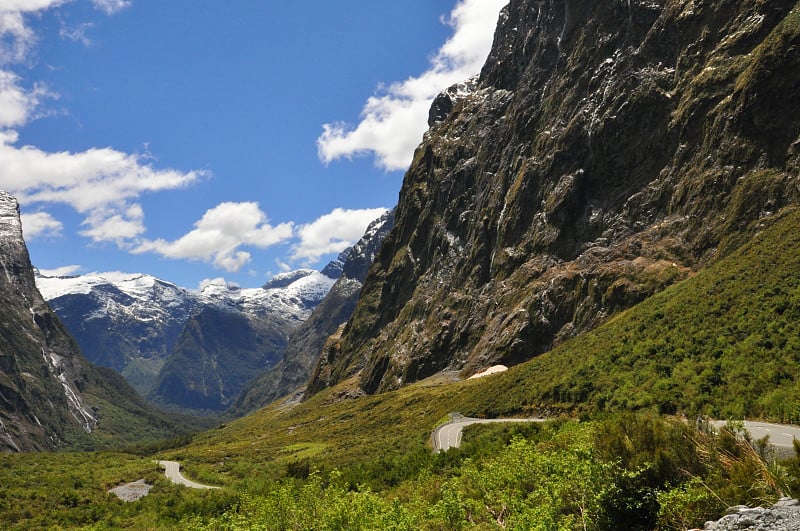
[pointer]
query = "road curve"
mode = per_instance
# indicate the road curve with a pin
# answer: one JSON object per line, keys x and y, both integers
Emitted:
{"x": 448, "y": 435}
{"x": 172, "y": 469}
{"x": 780, "y": 435}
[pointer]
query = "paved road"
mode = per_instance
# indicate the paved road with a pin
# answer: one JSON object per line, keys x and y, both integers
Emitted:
{"x": 780, "y": 435}
{"x": 172, "y": 469}
{"x": 448, "y": 435}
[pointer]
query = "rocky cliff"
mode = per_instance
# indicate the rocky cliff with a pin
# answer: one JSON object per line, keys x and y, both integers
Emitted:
{"x": 607, "y": 150}
{"x": 50, "y": 396}
{"x": 306, "y": 342}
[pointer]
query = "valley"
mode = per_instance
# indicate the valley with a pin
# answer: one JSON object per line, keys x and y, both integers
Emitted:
{"x": 611, "y": 209}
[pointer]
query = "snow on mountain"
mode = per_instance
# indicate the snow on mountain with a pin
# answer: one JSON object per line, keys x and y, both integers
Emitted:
{"x": 130, "y": 322}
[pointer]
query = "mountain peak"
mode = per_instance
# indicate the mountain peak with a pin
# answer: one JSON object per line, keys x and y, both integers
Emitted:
{"x": 283, "y": 280}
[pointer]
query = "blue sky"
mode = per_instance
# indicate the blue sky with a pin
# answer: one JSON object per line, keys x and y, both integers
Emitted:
{"x": 199, "y": 139}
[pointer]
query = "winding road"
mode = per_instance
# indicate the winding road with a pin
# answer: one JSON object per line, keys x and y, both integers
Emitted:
{"x": 172, "y": 469}
{"x": 448, "y": 435}
{"x": 780, "y": 435}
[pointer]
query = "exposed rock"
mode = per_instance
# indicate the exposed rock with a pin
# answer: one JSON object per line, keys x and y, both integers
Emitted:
{"x": 131, "y": 492}
{"x": 50, "y": 396}
{"x": 783, "y": 516}
{"x": 306, "y": 342}
{"x": 609, "y": 150}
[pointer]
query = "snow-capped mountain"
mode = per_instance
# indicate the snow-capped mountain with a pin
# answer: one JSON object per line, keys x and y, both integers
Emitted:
{"x": 50, "y": 396}
{"x": 131, "y": 322}
{"x": 306, "y": 341}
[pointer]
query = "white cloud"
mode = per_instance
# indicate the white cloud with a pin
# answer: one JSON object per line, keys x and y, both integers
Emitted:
{"x": 17, "y": 105}
{"x": 392, "y": 124}
{"x": 37, "y": 224}
{"x": 206, "y": 282}
{"x": 219, "y": 235}
{"x": 76, "y": 33}
{"x": 63, "y": 271}
{"x": 119, "y": 224}
{"x": 99, "y": 182}
{"x": 16, "y": 38}
{"x": 110, "y": 7}
{"x": 333, "y": 232}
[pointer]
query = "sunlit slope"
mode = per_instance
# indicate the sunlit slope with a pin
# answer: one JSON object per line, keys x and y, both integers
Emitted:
{"x": 723, "y": 342}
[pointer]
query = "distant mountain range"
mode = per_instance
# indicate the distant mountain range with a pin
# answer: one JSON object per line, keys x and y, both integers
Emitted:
{"x": 50, "y": 396}
{"x": 170, "y": 342}
{"x": 306, "y": 342}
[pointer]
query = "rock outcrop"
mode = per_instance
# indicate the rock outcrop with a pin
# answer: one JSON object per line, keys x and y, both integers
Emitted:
{"x": 306, "y": 343}
{"x": 783, "y": 516}
{"x": 607, "y": 150}
{"x": 50, "y": 396}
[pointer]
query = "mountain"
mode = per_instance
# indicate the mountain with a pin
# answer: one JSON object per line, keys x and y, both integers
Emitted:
{"x": 239, "y": 334}
{"x": 132, "y": 322}
{"x": 50, "y": 395}
{"x": 128, "y": 322}
{"x": 606, "y": 151}
{"x": 306, "y": 341}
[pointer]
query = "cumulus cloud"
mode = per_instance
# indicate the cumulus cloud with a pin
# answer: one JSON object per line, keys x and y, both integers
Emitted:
{"x": 101, "y": 183}
{"x": 16, "y": 38}
{"x": 40, "y": 224}
{"x": 110, "y": 7}
{"x": 118, "y": 225}
{"x": 18, "y": 105}
{"x": 206, "y": 282}
{"x": 393, "y": 122}
{"x": 63, "y": 271}
{"x": 221, "y": 233}
{"x": 333, "y": 232}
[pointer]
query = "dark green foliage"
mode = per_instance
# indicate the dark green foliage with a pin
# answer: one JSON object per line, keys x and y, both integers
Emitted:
{"x": 723, "y": 343}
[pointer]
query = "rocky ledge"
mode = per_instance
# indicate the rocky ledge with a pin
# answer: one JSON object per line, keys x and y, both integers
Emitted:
{"x": 784, "y": 515}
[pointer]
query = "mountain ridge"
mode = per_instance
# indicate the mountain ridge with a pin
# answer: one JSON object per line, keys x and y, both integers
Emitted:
{"x": 530, "y": 214}
{"x": 131, "y": 321}
{"x": 51, "y": 397}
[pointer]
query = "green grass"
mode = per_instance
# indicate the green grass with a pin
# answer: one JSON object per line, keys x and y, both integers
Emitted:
{"x": 724, "y": 342}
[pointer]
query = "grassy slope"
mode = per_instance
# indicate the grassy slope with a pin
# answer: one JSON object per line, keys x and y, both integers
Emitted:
{"x": 724, "y": 342}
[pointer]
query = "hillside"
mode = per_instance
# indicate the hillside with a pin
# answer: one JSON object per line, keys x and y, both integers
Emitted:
{"x": 607, "y": 151}
{"x": 50, "y": 396}
{"x": 305, "y": 343}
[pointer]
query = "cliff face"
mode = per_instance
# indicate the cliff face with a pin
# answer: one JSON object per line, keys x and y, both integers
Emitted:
{"x": 607, "y": 150}
{"x": 41, "y": 371}
{"x": 306, "y": 342}
{"x": 50, "y": 396}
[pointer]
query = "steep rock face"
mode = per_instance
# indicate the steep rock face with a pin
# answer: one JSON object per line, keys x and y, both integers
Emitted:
{"x": 50, "y": 396}
{"x": 608, "y": 149}
{"x": 227, "y": 344}
{"x": 305, "y": 343}
{"x": 41, "y": 374}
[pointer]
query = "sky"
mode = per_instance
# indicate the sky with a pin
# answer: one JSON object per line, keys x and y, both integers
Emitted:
{"x": 199, "y": 139}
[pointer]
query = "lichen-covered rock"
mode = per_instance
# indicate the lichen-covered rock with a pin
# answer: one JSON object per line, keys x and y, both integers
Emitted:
{"x": 783, "y": 516}
{"x": 608, "y": 150}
